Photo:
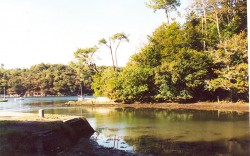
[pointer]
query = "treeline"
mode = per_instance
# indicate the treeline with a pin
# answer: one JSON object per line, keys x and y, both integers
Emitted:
{"x": 42, "y": 80}
{"x": 203, "y": 59}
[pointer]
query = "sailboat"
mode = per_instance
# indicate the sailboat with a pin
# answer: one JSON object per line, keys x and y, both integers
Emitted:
{"x": 4, "y": 99}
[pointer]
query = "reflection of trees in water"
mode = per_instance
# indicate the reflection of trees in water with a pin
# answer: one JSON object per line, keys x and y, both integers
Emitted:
{"x": 154, "y": 113}
{"x": 221, "y": 115}
{"x": 149, "y": 145}
{"x": 182, "y": 115}
{"x": 142, "y": 122}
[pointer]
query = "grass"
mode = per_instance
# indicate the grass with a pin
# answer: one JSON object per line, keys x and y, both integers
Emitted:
{"x": 35, "y": 117}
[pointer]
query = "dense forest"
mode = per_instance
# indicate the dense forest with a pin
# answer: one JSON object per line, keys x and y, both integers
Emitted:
{"x": 42, "y": 80}
{"x": 203, "y": 59}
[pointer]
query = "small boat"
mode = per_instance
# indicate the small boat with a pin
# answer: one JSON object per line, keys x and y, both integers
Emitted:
{"x": 4, "y": 99}
{"x": 18, "y": 99}
{"x": 80, "y": 98}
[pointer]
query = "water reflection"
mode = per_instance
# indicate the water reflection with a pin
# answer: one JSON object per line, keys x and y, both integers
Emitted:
{"x": 111, "y": 141}
{"x": 149, "y": 145}
{"x": 150, "y": 131}
{"x": 174, "y": 132}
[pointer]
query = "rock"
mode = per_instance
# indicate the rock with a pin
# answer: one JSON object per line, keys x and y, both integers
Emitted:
{"x": 80, "y": 126}
{"x": 56, "y": 140}
{"x": 77, "y": 128}
{"x": 53, "y": 141}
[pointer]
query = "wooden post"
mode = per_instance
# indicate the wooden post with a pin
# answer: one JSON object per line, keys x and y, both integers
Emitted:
{"x": 41, "y": 113}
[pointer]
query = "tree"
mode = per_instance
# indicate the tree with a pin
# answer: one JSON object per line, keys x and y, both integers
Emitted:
{"x": 86, "y": 57}
{"x": 231, "y": 67}
{"x": 204, "y": 58}
{"x": 168, "y": 40}
{"x": 119, "y": 37}
{"x": 221, "y": 19}
{"x": 194, "y": 33}
{"x": 149, "y": 57}
{"x": 3, "y": 78}
{"x": 84, "y": 65}
{"x": 135, "y": 85}
{"x": 116, "y": 37}
{"x": 166, "y": 5}
{"x": 106, "y": 83}
{"x": 184, "y": 77}
{"x": 201, "y": 7}
{"x": 104, "y": 42}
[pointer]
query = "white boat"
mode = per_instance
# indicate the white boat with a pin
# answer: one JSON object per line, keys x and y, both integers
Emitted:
{"x": 80, "y": 98}
{"x": 18, "y": 99}
{"x": 4, "y": 100}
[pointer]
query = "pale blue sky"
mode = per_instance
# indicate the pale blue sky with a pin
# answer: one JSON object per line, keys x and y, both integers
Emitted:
{"x": 49, "y": 31}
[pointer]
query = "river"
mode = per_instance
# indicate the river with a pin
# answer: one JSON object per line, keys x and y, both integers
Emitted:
{"x": 148, "y": 131}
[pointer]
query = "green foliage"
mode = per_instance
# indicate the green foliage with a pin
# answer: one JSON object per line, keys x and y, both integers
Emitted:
{"x": 41, "y": 79}
{"x": 105, "y": 83}
{"x": 148, "y": 57}
{"x": 135, "y": 85}
{"x": 168, "y": 40}
{"x": 163, "y": 4}
{"x": 232, "y": 67}
{"x": 166, "y": 5}
{"x": 120, "y": 36}
{"x": 204, "y": 59}
{"x": 184, "y": 77}
{"x": 193, "y": 33}
{"x": 84, "y": 67}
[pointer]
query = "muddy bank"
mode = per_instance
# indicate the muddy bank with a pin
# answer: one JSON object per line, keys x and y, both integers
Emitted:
{"x": 222, "y": 106}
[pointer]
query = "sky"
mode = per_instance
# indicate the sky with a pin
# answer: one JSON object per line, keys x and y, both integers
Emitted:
{"x": 50, "y": 31}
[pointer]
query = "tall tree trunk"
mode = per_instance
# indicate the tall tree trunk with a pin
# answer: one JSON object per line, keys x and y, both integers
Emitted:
{"x": 167, "y": 16}
{"x": 202, "y": 31}
{"x": 218, "y": 25}
{"x": 116, "y": 53}
{"x": 203, "y": 6}
{"x": 205, "y": 23}
{"x": 219, "y": 33}
{"x": 111, "y": 52}
{"x": 112, "y": 59}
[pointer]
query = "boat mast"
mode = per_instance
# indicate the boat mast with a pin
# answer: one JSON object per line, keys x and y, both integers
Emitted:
{"x": 3, "y": 92}
{"x": 80, "y": 98}
{"x": 81, "y": 88}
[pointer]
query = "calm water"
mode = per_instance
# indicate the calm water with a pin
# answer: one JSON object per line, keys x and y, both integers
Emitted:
{"x": 154, "y": 131}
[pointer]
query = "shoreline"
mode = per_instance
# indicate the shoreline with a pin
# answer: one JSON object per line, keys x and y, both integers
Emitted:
{"x": 204, "y": 106}
{"x": 222, "y": 106}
